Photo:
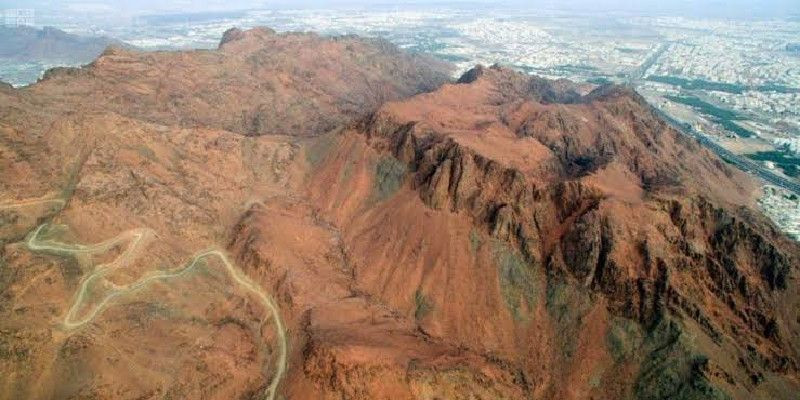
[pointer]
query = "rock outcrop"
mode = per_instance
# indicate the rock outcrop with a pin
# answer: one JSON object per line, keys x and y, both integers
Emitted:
{"x": 257, "y": 82}
{"x": 625, "y": 209}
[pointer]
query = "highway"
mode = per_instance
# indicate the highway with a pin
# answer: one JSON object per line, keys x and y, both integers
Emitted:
{"x": 639, "y": 73}
{"x": 740, "y": 162}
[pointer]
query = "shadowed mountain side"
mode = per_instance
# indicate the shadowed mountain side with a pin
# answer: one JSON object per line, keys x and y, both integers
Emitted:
{"x": 50, "y": 45}
{"x": 569, "y": 256}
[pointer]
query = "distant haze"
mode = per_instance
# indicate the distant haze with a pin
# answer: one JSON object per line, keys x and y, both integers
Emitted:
{"x": 689, "y": 8}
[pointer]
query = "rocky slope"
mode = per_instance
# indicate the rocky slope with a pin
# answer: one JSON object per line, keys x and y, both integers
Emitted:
{"x": 257, "y": 82}
{"x": 502, "y": 237}
{"x": 580, "y": 214}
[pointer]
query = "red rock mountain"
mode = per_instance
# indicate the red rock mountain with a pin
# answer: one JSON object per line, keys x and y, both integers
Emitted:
{"x": 256, "y": 83}
{"x": 287, "y": 217}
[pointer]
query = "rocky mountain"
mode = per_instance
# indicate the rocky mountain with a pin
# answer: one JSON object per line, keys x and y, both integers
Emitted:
{"x": 299, "y": 217}
{"x": 256, "y": 83}
{"x": 26, "y": 52}
{"x": 49, "y": 45}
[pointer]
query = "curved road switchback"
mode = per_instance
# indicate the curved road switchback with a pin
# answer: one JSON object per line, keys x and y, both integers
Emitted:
{"x": 136, "y": 239}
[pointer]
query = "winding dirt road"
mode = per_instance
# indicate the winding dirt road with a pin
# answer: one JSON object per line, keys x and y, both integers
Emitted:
{"x": 137, "y": 239}
{"x": 25, "y": 203}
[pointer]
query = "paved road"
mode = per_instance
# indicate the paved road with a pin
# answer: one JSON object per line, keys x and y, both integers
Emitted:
{"x": 742, "y": 163}
{"x": 640, "y": 72}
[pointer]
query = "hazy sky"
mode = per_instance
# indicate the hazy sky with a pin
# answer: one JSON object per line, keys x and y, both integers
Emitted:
{"x": 680, "y": 7}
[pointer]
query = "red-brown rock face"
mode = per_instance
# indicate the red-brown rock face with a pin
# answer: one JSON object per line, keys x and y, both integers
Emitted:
{"x": 170, "y": 230}
{"x": 591, "y": 217}
{"x": 257, "y": 82}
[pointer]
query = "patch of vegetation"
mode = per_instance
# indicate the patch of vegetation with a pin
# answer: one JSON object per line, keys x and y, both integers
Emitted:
{"x": 575, "y": 68}
{"x": 736, "y": 128}
{"x": 319, "y": 149}
{"x": 565, "y": 301}
{"x": 201, "y": 268}
{"x": 350, "y": 164}
{"x": 389, "y": 176}
{"x": 789, "y": 163}
{"x": 347, "y": 172}
{"x": 517, "y": 280}
{"x": 774, "y": 87}
{"x": 698, "y": 84}
{"x": 671, "y": 370}
{"x": 143, "y": 313}
{"x": 475, "y": 241}
{"x": 567, "y": 304}
{"x": 719, "y": 115}
{"x": 146, "y": 152}
{"x": 9, "y": 217}
{"x": 11, "y": 352}
{"x": 422, "y": 305}
{"x": 6, "y": 276}
{"x": 623, "y": 338}
{"x": 599, "y": 80}
{"x": 73, "y": 177}
{"x": 704, "y": 107}
{"x": 53, "y": 232}
{"x": 229, "y": 320}
{"x": 5, "y": 350}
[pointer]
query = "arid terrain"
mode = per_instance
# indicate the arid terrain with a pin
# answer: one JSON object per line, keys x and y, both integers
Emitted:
{"x": 27, "y": 44}
{"x": 297, "y": 217}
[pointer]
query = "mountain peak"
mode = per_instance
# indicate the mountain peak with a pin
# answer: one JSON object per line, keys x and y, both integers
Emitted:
{"x": 613, "y": 91}
{"x": 568, "y": 135}
{"x": 236, "y": 34}
{"x": 472, "y": 75}
{"x": 115, "y": 50}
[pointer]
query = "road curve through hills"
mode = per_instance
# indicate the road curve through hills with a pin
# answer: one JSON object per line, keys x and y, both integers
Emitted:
{"x": 136, "y": 239}
{"x": 25, "y": 203}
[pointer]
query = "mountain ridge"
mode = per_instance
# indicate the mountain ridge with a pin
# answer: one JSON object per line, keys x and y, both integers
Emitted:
{"x": 50, "y": 45}
{"x": 499, "y": 236}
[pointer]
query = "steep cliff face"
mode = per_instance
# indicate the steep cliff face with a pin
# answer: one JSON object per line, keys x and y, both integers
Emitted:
{"x": 617, "y": 223}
